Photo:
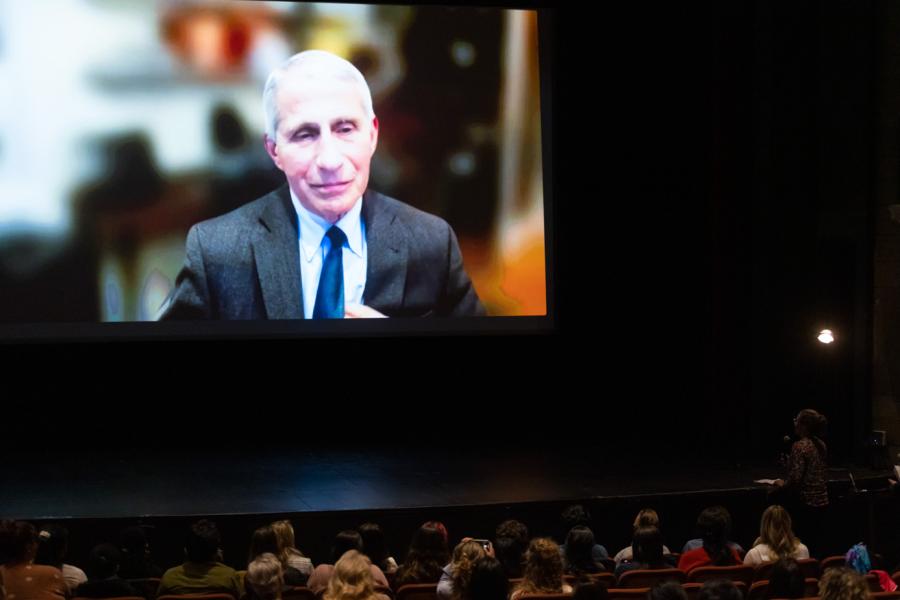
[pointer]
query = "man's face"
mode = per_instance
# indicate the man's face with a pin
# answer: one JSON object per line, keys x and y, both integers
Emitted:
{"x": 324, "y": 143}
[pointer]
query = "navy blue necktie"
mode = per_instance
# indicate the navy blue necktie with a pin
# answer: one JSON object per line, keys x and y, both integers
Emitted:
{"x": 330, "y": 295}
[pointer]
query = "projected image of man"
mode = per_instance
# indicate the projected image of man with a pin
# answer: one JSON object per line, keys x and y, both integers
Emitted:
{"x": 324, "y": 245}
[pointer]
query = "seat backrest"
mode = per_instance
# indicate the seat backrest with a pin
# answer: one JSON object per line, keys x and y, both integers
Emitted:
{"x": 602, "y": 577}
{"x": 832, "y": 561}
{"x": 417, "y": 591}
{"x": 217, "y": 596}
{"x": 758, "y": 590}
{"x": 692, "y": 590}
{"x": 146, "y": 586}
{"x": 117, "y": 598}
{"x": 762, "y": 571}
{"x": 545, "y": 596}
{"x": 736, "y": 573}
{"x": 608, "y": 564}
{"x": 649, "y": 577}
{"x": 298, "y": 593}
{"x": 873, "y": 583}
{"x": 627, "y": 593}
{"x": 607, "y": 579}
{"x": 380, "y": 589}
{"x": 810, "y": 586}
{"x": 810, "y": 567}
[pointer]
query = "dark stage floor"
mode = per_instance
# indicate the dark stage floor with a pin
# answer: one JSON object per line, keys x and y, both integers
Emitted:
{"x": 159, "y": 483}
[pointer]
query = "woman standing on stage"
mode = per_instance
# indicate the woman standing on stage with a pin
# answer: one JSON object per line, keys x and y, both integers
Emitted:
{"x": 806, "y": 482}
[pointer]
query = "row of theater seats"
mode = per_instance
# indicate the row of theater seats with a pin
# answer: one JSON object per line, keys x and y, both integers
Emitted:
{"x": 752, "y": 581}
{"x": 757, "y": 591}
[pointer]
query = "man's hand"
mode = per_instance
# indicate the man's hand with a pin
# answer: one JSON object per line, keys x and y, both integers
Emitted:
{"x": 361, "y": 311}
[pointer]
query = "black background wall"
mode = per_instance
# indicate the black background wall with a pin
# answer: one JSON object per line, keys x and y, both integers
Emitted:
{"x": 712, "y": 174}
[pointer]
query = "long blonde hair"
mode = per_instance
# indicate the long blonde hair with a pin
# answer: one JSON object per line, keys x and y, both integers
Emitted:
{"x": 543, "y": 567}
{"x": 352, "y": 578}
{"x": 284, "y": 533}
{"x": 775, "y": 532}
{"x": 464, "y": 556}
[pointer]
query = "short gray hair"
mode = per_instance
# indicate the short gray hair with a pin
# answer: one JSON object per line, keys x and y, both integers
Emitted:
{"x": 313, "y": 63}
{"x": 265, "y": 576}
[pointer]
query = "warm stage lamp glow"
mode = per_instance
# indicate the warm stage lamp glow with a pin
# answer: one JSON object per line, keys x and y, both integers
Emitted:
{"x": 826, "y": 336}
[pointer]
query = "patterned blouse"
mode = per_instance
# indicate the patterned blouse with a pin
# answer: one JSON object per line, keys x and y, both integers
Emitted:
{"x": 806, "y": 473}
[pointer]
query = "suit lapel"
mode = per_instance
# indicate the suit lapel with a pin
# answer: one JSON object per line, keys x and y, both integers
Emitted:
{"x": 387, "y": 252}
{"x": 277, "y": 256}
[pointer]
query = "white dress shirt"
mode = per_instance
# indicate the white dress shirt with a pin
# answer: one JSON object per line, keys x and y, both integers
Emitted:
{"x": 314, "y": 246}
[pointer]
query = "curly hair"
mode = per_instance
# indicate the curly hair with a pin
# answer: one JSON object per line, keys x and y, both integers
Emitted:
{"x": 843, "y": 584}
{"x": 464, "y": 556}
{"x": 543, "y": 567}
{"x": 352, "y": 578}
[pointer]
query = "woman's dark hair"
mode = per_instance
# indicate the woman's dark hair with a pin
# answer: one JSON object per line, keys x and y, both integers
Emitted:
{"x": 579, "y": 544}
{"x": 813, "y": 421}
{"x": 133, "y": 540}
{"x": 16, "y": 539}
{"x": 714, "y": 526}
{"x": 104, "y": 561}
{"x": 203, "y": 541}
{"x": 511, "y": 554}
{"x": 373, "y": 543}
{"x": 816, "y": 426}
{"x": 263, "y": 540}
{"x": 513, "y": 529}
{"x": 576, "y": 515}
{"x": 667, "y": 590}
{"x": 647, "y": 547}
{"x": 53, "y": 540}
{"x": 488, "y": 580}
{"x": 592, "y": 590}
{"x": 428, "y": 553}
{"x": 347, "y": 540}
{"x": 510, "y": 542}
{"x": 720, "y": 589}
{"x": 786, "y": 580}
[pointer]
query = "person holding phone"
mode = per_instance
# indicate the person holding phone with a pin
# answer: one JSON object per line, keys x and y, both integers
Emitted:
{"x": 454, "y": 582}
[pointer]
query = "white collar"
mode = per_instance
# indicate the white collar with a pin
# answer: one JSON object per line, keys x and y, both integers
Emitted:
{"x": 313, "y": 228}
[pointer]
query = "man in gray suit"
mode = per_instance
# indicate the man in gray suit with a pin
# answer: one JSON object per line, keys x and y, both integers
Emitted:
{"x": 323, "y": 245}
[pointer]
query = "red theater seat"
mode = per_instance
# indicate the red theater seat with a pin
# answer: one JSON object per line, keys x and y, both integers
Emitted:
{"x": 627, "y": 593}
{"x": 735, "y": 573}
{"x": 646, "y": 578}
{"x": 418, "y": 591}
